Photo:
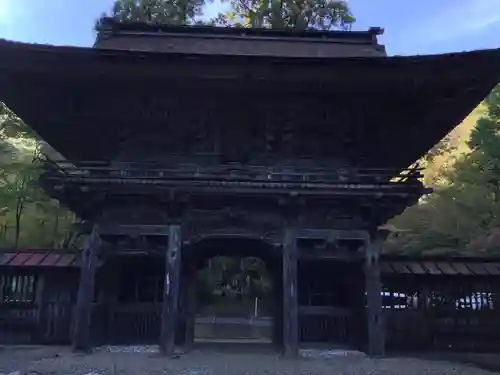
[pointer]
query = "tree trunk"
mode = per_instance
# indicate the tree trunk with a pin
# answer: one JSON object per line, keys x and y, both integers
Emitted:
{"x": 19, "y": 213}
{"x": 55, "y": 229}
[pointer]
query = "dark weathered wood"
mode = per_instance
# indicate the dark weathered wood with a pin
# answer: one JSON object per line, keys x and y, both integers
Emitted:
{"x": 290, "y": 298}
{"x": 373, "y": 286}
{"x": 190, "y": 311}
{"x": 332, "y": 234}
{"x": 133, "y": 230}
{"x": 323, "y": 310}
{"x": 39, "y": 300}
{"x": 171, "y": 290}
{"x": 81, "y": 330}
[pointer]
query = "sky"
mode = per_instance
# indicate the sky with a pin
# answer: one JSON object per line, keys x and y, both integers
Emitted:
{"x": 411, "y": 27}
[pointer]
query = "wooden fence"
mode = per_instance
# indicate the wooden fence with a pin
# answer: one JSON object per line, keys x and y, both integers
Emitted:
{"x": 421, "y": 312}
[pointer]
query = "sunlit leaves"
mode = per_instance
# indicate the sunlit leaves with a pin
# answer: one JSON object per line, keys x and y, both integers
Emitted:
{"x": 274, "y": 14}
{"x": 27, "y": 216}
{"x": 463, "y": 215}
{"x": 172, "y": 12}
{"x": 288, "y": 14}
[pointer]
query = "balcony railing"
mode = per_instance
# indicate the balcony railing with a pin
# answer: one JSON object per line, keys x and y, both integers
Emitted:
{"x": 229, "y": 174}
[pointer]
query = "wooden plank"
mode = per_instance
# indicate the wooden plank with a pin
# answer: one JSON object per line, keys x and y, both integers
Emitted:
{"x": 5, "y": 258}
{"x": 400, "y": 268}
{"x": 477, "y": 268}
{"x": 461, "y": 268}
{"x": 39, "y": 298}
{"x": 66, "y": 260}
{"x": 416, "y": 268}
{"x": 81, "y": 333}
{"x": 36, "y": 259}
{"x": 50, "y": 259}
{"x": 324, "y": 310}
{"x": 431, "y": 268}
{"x": 133, "y": 230}
{"x": 446, "y": 268}
{"x": 373, "y": 288}
{"x": 290, "y": 298}
{"x": 492, "y": 268}
{"x": 332, "y": 234}
{"x": 386, "y": 268}
{"x": 171, "y": 290}
{"x": 20, "y": 259}
{"x": 190, "y": 311}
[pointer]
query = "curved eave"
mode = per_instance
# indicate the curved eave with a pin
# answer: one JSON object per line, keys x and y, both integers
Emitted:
{"x": 393, "y": 109}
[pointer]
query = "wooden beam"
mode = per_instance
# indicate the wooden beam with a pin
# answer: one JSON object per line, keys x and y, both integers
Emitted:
{"x": 373, "y": 288}
{"x": 81, "y": 332}
{"x": 290, "y": 298}
{"x": 333, "y": 234}
{"x": 171, "y": 290}
{"x": 133, "y": 229}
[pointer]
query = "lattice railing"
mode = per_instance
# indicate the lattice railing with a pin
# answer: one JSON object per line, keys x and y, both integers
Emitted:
{"x": 111, "y": 171}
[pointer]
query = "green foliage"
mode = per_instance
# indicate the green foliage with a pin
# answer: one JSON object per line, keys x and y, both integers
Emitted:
{"x": 284, "y": 14}
{"x": 274, "y": 14}
{"x": 463, "y": 214}
{"x": 28, "y": 218}
{"x": 231, "y": 275}
{"x": 178, "y": 12}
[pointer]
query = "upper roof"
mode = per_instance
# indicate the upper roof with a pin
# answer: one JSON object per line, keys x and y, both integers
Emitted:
{"x": 379, "y": 111}
{"x": 111, "y": 24}
{"x": 213, "y": 40}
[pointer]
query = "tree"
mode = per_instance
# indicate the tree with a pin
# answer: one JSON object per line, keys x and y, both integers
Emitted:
{"x": 27, "y": 215}
{"x": 463, "y": 215}
{"x": 288, "y": 14}
{"x": 178, "y": 12}
{"x": 19, "y": 189}
{"x": 274, "y": 14}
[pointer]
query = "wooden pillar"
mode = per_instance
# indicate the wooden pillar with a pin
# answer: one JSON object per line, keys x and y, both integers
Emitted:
{"x": 190, "y": 309}
{"x": 109, "y": 297}
{"x": 373, "y": 287}
{"x": 41, "y": 311}
{"x": 81, "y": 328}
{"x": 171, "y": 290}
{"x": 290, "y": 298}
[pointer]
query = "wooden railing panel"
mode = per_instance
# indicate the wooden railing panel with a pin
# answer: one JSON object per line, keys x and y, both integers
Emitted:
{"x": 18, "y": 323}
{"x": 324, "y": 324}
{"x": 139, "y": 323}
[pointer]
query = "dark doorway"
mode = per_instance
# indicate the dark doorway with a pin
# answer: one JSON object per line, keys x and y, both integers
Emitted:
{"x": 128, "y": 306}
{"x": 234, "y": 300}
{"x": 238, "y": 284}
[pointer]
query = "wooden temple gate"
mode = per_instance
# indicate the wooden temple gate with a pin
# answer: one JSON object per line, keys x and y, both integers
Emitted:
{"x": 427, "y": 304}
{"x": 250, "y": 161}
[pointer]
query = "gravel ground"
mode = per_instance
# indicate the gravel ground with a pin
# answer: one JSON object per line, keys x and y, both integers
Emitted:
{"x": 213, "y": 361}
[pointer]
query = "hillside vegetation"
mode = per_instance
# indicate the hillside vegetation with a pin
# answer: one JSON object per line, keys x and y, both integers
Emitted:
{"x": 462, "y": 215}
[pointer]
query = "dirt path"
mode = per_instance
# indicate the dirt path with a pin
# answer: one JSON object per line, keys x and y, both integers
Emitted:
{"x": 206, "y": 361}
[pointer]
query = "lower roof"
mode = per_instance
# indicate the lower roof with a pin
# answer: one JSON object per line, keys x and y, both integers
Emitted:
{"x": 382, "y": 111}
{"x": 390, "y": 265}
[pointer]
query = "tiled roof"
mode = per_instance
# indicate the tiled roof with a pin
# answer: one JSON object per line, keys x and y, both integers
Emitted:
{"x": 441, "y": 268}
{"x": 39, "y": 258}
{"x": 433, "y": 266}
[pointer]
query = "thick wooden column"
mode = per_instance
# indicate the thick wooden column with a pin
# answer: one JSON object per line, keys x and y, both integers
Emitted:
{"x": 373, "y": 287}
{"x": 290, "y": 298}
{"x": 85, "y": 296}
{"x": 190, "y": 310}
{"x": 171, "y": 291}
